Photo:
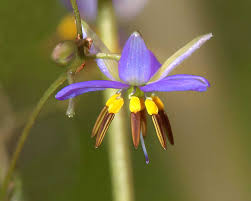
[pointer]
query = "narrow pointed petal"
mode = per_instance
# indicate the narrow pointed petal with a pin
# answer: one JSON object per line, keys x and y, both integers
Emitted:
{"x": 76, "y": 89}
{"x": 167, "y": 126}
{"x": 103, "y": 66}
{"x": 159, "y": 130}
{"x": 99, "y": 120}
{"x": 178, "y": 83}
{"x": 135, "y": 62}
{"x": 185, "y": 76}
{"x": 179, "y": 57}
{"x": 103, "y": 128}
{"x": 107, "y": 66}
{"x": 155, "y": 64}
{"x": 135, "y": 125}
{"x": 144, "y": 148}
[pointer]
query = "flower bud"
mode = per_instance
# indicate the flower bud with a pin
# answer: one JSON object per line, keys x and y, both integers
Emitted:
{"x": 64, "y": 52}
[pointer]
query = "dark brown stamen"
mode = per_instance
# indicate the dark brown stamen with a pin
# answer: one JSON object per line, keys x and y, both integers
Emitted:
{"x": 159, "y": 130}
{"x": 135, "y": 125}
{"x": 99, "y": 120}
{"x": 167, "y": 126}
{"x": 103, "y": 128}
{"x": 143, "y": 122}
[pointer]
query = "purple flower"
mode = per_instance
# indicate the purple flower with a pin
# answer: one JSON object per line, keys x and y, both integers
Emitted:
{"x": 138, "y": 71}
{"x": 124, "y": 9}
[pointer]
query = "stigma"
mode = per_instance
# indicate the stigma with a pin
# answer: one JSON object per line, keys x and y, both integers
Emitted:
{"x": 138, "y": 123}
{"x": 139, "y": 107}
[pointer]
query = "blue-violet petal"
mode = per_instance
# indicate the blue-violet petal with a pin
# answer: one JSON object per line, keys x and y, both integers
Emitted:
{"x": 154, "y": 63}
{"x": 135, "y": 62}
{"x": 178, "y": 83}
{"x": 107, "y": 66}
{"x": 79, "y": 88}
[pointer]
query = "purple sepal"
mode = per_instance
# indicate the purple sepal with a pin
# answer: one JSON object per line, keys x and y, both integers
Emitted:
{"x": 178, "y": 83}
{"x": 135, "y": 62}
{"x": 79, "y": 88}
{"x": 102, "y": 63}
{"x": 107, "y": 66}
{"x": 155, "y": 64}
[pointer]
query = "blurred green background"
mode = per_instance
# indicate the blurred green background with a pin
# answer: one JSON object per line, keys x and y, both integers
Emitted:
{"x": 211, "y": 158}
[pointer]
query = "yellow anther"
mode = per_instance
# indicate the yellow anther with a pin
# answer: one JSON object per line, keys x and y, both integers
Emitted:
{"x": 67, "y": 28}
{"x": 115, "y": 106}
{"x": 151, "y": 107}
{"x": 158, "y": 102}
{"x": 111, "y": 99}
{"x": 135, "y": 104}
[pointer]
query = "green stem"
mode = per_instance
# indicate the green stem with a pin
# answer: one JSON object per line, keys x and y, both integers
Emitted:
{"x": 27, "y": 128}
{"x": 77, "y": 18}
{"x": 104, "y": 56}
{"x": 120, "y": 162}
{"x": 26, "y": 131}
{"x": 70, "y": 112}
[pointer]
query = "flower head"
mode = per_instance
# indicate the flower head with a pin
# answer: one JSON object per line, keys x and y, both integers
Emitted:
{"x": 139, "y": 72}
{"x": 124, "y": 9}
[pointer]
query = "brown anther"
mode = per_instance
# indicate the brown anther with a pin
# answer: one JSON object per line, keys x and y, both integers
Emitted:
{"x": 167, "y": 126}
{"x": 103, "y": 128}
{"x": 99, "y": 120}
{"x": 135, "y": 125}
{"x": 158, "y": 124}
{"x": 143, "y": 122}
{"x": 80, "y": 68}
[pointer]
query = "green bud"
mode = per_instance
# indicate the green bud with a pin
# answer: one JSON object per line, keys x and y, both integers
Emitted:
{"x": 64, "y": 52}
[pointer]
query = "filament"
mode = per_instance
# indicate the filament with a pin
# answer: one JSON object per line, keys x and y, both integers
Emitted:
{"x": 144, "y": 148}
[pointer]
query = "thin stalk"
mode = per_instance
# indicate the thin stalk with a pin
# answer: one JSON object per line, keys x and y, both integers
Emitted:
{"x": 26, "y": 131}
{"x": 28, "y": 126}
{"x": 77, "y": 18}
{"x": 70, "y": 112}
{"x": 104, "y": 56}
{"x": 120, "y": 162}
